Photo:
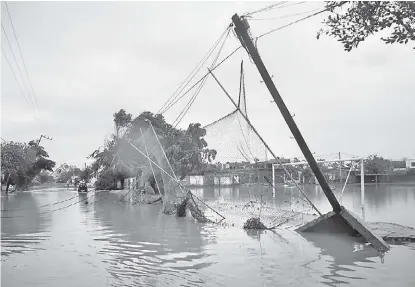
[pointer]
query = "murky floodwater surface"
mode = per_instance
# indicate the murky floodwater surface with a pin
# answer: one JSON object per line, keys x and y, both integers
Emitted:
{"x": 112, "y": 243}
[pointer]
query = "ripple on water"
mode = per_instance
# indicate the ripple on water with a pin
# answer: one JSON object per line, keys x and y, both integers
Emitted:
{"x": 117, "y": 244}
{"x": 11, "y": 244}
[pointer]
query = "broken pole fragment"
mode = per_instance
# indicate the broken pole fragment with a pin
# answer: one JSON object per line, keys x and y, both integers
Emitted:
{"x": 241, "y": 27}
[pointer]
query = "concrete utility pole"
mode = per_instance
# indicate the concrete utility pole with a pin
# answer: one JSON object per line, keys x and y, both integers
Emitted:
{"x": 241, "y": 29}
{"x": 340, "y": 218}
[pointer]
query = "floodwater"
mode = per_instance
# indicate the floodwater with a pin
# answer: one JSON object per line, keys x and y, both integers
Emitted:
{"x": 111, "y": 243}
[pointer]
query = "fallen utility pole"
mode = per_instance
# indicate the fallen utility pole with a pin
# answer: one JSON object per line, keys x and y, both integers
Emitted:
{"x": 340, "y": 215}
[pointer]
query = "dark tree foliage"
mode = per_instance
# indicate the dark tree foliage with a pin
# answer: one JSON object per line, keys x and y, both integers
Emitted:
{"x": 352, "y": 22}
{"x": 121, "y": 120}
{"x": 375, "y": 164}
{"x": 66, "y": 172}
{"x": 22, "y": 162}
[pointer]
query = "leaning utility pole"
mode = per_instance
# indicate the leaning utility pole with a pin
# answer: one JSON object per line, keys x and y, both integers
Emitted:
{"x": 43, "y": 136}
{"x": 339, "y": 218}
{"x": 241, "y": 29}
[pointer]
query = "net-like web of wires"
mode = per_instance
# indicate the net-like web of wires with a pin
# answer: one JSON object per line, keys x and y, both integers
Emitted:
{"x": 233, "y": 138}
{"x": 149, "y": 156}
{"x": 154, "y": 162}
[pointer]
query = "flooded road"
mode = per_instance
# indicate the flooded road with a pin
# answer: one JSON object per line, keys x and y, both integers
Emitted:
{"x": 112, "y": 243}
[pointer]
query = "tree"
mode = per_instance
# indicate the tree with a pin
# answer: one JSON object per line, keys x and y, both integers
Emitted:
{"x": 375, "y": 164}
{"x": 351, "y": 22}
{"x": 186, "y": 150}
{"x": 14, "y": 159}
{"x": 121, "y": 120}
{"x": 44, "y": 177}
{"x": 21, "y": 162}
{"x": 86, "y": 174}
{"x": 66, "y": 172}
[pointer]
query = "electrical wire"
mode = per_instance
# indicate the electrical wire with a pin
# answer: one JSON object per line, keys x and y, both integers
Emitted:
{"x": 284, "y": 16}
{"x": 204, "y": 80}
{"x": 183, "y": 85}
{"x": 194, "y": 72}
{"x": 15, "y": 77}
{"x": 292, "y": 23}
{"x": 50, "y": 204}
{"x": 184, "y": 112}
{"x": 207, "y": 74}
{"x": 21, "y": 55}
{"x": 55, "y": 203}
{"x": 54, "y": 210}
{"x": 166, "y": 105}
{"x": 267, "y": 8}
{"x": 273, "y": 6}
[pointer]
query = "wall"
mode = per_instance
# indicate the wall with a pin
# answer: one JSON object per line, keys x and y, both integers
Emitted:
{"x": 196, "y": 180}
{"x": 223, "y": 180}
{"x": 130, "y": 183}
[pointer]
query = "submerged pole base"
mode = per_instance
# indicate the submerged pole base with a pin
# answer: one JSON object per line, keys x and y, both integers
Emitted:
{"x": 344, "y": 222}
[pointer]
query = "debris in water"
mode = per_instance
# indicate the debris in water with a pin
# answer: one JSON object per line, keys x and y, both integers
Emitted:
{"x": 254, "y": 223}
{"x": 181, "y": 208}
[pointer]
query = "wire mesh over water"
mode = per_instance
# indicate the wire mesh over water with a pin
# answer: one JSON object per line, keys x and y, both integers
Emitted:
{"x": 233, "y": 138}
{"x": 290, "y": 209}
{"x": 154, "y": 164}
{"x": 285, "y": 210}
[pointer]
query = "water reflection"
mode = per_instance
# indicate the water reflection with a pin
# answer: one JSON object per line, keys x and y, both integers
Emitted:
{"x": 398, "y": 200}
{"x": 109, "y": 242}
{"x": 343, "y": 254}
{"x": 22, "y": 224}
{"x": 146, "y": 243}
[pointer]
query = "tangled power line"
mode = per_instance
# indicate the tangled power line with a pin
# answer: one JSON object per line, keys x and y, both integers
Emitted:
{"x": 59, "y": 202}
{"x": 179, "y": 94}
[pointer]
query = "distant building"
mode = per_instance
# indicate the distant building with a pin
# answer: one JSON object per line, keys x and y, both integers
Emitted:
{"x": 410, "y": 164}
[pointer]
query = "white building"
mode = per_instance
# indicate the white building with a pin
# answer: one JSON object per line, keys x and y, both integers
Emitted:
{"x": 410, "y": 164}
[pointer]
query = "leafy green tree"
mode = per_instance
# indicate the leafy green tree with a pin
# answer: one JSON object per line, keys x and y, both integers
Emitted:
{"x": 351, "y": 22}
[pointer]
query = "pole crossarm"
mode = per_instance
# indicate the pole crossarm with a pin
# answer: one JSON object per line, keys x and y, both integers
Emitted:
{"x": 320, "y": 161}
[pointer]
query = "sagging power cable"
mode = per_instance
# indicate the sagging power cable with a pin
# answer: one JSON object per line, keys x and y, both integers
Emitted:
{"x": 205, "y": 75}
{"x": 192, "y": 100}
{"x": 167, "y": 105}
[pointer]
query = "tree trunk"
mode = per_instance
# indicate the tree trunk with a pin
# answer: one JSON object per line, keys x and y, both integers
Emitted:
{"x": 7, "y": 183}
{"x": 153, "y": 185}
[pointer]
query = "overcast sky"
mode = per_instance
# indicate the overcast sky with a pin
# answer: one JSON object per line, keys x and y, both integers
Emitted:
{"x": 88, "y": 60}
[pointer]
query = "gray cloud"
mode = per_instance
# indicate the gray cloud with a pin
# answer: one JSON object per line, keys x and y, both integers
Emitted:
{"x": 88, "y": 60}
